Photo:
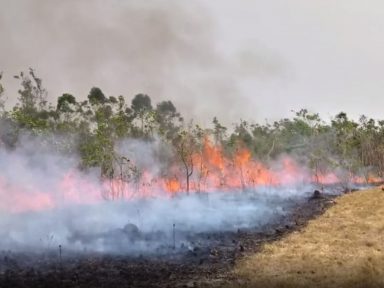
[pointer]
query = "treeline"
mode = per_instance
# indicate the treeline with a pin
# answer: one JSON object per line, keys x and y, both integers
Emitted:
{"x": 91, "y": 128}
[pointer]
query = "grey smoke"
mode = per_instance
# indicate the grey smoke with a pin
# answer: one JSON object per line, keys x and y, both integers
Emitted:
{"x": 249, "y": 59}
{"x": 103, "y": 227}
{"x": 166, "y": 49}
{"x": 78, "y": 218}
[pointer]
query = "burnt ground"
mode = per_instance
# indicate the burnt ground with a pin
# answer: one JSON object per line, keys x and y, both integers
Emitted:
{"x": 206, "y": 263}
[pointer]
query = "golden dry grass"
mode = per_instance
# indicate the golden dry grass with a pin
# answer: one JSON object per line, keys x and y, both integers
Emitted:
{"x": 342, "y": 248}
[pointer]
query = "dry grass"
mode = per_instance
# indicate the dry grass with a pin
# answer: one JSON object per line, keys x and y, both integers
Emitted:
{"x": 342, "y": 248}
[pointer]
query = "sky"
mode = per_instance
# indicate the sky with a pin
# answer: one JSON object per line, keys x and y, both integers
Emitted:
{"x": 248, "y": 59}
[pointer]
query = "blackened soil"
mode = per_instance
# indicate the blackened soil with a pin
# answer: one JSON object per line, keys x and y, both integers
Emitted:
{"x": 207, "y": 261}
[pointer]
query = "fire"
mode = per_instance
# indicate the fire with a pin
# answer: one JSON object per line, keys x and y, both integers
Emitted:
{"x": 172, "y": 186}
{"x": 213, "y": 170}
{"x": 18, "y": 198}
{"x": 76, "y": 189}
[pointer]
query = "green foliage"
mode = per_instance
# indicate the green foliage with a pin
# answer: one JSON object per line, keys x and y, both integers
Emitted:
{"x": 31, "y": 122}
{"x": 96, "y": 96}
{"x": 168, "y": 119}
{"x": 32, "y": 95}
{"x": 140, "y": 103}
{"x": 65, "y": 102}
{"x": 219, "y": 131}
{"x": 101, "y": 122}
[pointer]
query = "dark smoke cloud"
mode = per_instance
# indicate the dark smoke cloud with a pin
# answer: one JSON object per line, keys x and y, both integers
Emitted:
{"x": 250, "y": 59}
{"x": 163, "y": 48}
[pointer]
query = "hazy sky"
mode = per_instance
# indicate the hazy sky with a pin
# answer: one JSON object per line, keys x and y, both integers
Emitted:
{"x": 248, "y": 59}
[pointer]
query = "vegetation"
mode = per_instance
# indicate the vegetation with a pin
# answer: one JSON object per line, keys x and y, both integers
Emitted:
{"x": 93, "y": 128}
{"x": 342, "y": 248}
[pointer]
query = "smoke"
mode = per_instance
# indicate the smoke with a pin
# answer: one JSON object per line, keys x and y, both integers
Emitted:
{"x": 165, "y": 49}
{"x": 144, "y": 226}
{"x": 253, "y": 59}
{"x": 40, "y": 174}
{"x": 47, "y": 201}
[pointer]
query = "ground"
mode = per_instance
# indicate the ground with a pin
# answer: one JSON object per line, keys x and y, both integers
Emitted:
{"x": 323, "y": 242}
{"x": 344, "y": 247}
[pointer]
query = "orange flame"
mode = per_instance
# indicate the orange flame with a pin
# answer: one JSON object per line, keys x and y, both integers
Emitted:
{"x": 212, "y": 171}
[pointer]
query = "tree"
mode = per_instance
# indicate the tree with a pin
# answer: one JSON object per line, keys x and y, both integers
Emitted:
{"x": 264, "y": 140}
{"x": 241, "y": 136}
{"x": 168, "y": 118}
{"x": 32, "y": 95}
{"x": 346, "y": 144}
{"x": 96, "y": 96}
{"x": 97, "y": 145}
{"x": 185, "y": 145}
{"x": 141, "y": 102}
{"x": 142, "y": 107}
{"x": 2, "y": 100}
{"x": 65, "y": 102}
{"x": 32, "y": 111}
{"x": 218, "y": 131}
{"x": 121, "y": 121}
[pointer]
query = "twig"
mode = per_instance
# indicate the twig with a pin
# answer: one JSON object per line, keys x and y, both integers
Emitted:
{"x": 174, "y": 236}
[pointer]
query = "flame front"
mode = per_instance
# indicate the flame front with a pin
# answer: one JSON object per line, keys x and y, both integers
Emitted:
{"x": 212, "y": 171}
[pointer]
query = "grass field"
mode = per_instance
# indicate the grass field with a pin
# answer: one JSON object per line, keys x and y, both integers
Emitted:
{"x": 342, "y": 248}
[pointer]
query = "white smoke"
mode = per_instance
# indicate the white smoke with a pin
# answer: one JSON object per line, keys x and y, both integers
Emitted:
{"x": 143, "y": 226}
{"x": 46, "y": 201}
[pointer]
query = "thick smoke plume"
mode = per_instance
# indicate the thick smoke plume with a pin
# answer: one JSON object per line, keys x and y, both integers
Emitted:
{"x": 47, "y": 201}
{"x": 165, "y": 49}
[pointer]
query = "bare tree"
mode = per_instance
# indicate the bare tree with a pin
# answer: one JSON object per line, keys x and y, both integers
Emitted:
{"x": 185, "y": 144}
